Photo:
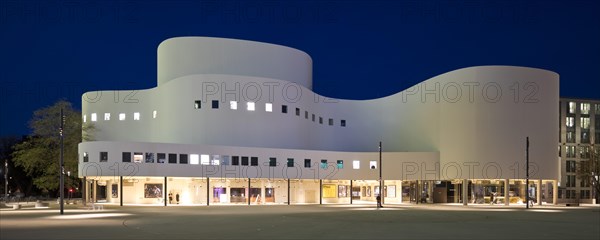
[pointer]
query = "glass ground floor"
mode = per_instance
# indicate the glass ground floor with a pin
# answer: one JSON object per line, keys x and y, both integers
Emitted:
{"x": 215, "y": 191}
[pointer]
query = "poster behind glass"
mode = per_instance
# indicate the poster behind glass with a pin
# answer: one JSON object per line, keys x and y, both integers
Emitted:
{"x": 153, "y": 190}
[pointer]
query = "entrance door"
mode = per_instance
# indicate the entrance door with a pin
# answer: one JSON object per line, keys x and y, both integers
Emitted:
{"x": 355, "y": 192}
{"x": 101, "y": 193}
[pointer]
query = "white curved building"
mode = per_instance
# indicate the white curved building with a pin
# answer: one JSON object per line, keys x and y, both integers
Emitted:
{"x": 235, "y": 121}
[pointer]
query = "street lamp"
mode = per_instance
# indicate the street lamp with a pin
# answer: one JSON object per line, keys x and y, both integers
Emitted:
{"x": 6, "y": 178}
{"x": 380, "y": 178}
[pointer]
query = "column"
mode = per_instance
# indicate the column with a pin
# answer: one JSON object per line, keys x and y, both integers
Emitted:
{"x": 207, "y": 191}
{"x": 320, "y": 191}
{"x": 288, "y": 193}
{"x": 350, "y": 191}
{"x": 84, "y": 191}
{"x": 121, "y": 190}
{"x": 381, "y": 192}
{"x": 165, "y": 192}
{"x": 539, "y": 192}
{"x": 506, "y": 191}
{"x": 465, "y": 191}
{"x": 95, "y": 188}
{"x": 400, "y": 192}
{"x": 249, "y": 196}
{"x": 555, "y": 192}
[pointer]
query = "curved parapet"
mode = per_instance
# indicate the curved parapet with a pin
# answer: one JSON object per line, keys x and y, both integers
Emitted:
{"x": 182, "y": 56}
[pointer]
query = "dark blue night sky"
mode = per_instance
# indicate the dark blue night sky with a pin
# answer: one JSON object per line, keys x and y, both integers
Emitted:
{"x": 360, "y": 49}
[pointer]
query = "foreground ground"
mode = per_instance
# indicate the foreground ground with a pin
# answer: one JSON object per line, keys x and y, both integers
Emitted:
{"x": 303, "y": 222}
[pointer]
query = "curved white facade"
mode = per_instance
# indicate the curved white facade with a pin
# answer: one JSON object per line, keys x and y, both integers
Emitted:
{"x": 470, "y": 123}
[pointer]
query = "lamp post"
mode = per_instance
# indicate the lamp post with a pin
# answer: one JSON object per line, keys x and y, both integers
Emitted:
{"x": 62, "y": 162}
{"x": 380, "y": 178}
{"x": 6, "y": 178}
{"x": 527, "y": 174}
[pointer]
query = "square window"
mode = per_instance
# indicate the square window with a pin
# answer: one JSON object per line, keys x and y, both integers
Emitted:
{"x": 340, "y": 164}
{"x": 290, "y": 162}
{"x": 121, "y": 116}
{"x": 356, "y": 164}
{"x": 272, "y": 162}
{"x": 86, "y": 158}
{"x": 233, "y": 105}
{"x": 225, "y": 160}
{"x": 244, "y": 161}
{"x": 343, "y": 123}
{"x": 149, "y": 157}
{"x": 204, "y": 159}
{"x": 138, "y": 157}
{"x": 126, "y": 157}
{"x": 250, "y": 106}
{"x": 268, "y": 107}
{"x": 197, "y": 104}
{"x": 253, "y": 161}
{"x": 215, "y": 160}
{"x": 330, "y": 122}
{"x": 183, "y": 159}
{"x": 103, "y": 156}
{"x": 136, "y": 116}
{"x": 194, "y": 159}
{"x": 307, "y": 163}
{"x": 235, "y": 160}
{"x": 106, "y": 116}
{"x": 215, "y": 104}
{"x": 94, "y": 117}
{"x": 320, "y": 120}
{"x": 161, "y": 158}
{"x": 154, "y": 114}
{"x": 172, "y": 158}
{"x": 373, "y": 164}
{"x": 283, "y": 108}
{"x": 324, "y": 163}
{"x": 297, "y": 111}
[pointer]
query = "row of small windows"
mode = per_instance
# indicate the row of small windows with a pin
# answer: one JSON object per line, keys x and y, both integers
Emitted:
{"x": 122, "y": 116}
{"x": 251, "y": 106}
{"x": 584, "y": 151}
{"x": 584, "y": 107}
{"x": 205, "y": 159}
{"x": 584, "y": 121}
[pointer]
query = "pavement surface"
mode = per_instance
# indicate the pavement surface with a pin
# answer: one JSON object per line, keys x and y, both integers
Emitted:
{"x": 303, "y": 222}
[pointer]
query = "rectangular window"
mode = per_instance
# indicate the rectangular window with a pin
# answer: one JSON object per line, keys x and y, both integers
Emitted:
{"x": 290, "y": 162}
{"x": 306, "y": 114}
{"x": 324, "y": 163}
{"x": 233, "y": 105}
{"x": 197, "y": 104}
{"x": 126, "y": 157}
{"x": 570, "y": 166}
{"x": 84, "y": 118}
{"x": 161, "y": 157}
{"x": 585, "y": 136}
{"x": 584, "y": 152}
{"x": 235, "y": 160}
{"x": 343, "y": 123}
{"x": 121, "y": 116}
{"x": 172, "y": 158}
{"x": 183, "y": 159}
{"x": 215, "y": 104}
{"x": 244, "y": 161}
{"x": 571, "y": 136}
{"x": 268, "y": 107}
{"x": 572, "y": 107}
{"x": 340, "y": 164}
{"x": 194, "y": 159}
{"x": 138, "y": 157}
{"x": 571, "y": 181}
{"x": 272, "y": 162}
{"x": 154, "y": 114}
{"x": 313, "y": 117}
{"x": 356, "y": 164}
{"x": 103, "y": 156}
{"x": 106, "y": 116}
{"x": 597, "y": 109}
{"x": 205, "y": 160}
{"x": 86, "y": 158}
{"x": 253, "y": 161}
{"x": 585, "y": 123}
{"x": 250, "y": 106}
{"x": 331, "y": 122}
{"x": 570, "y": 121}
{"x": 283, "y": 108}
{"x": 136, "y": 116}
{"x": 570, "y": 151}
{"x": 373, "y": 164}
{"x": 149, "y": 157}
{"x": 585, "y": 108}
{"x": 307, "y": 163}
{"x": 94, "y": 117}
{"x": 214, "y": 160}
{"x": 320, "y": 120}
{"x": 297, "y": 111}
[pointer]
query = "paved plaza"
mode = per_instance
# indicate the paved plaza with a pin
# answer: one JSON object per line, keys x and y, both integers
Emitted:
{"x": 303, "y": 222}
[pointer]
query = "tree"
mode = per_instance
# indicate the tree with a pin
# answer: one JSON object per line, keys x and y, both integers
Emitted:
{"x": 39, "y": 153}
{"x": 589, "y": 170}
